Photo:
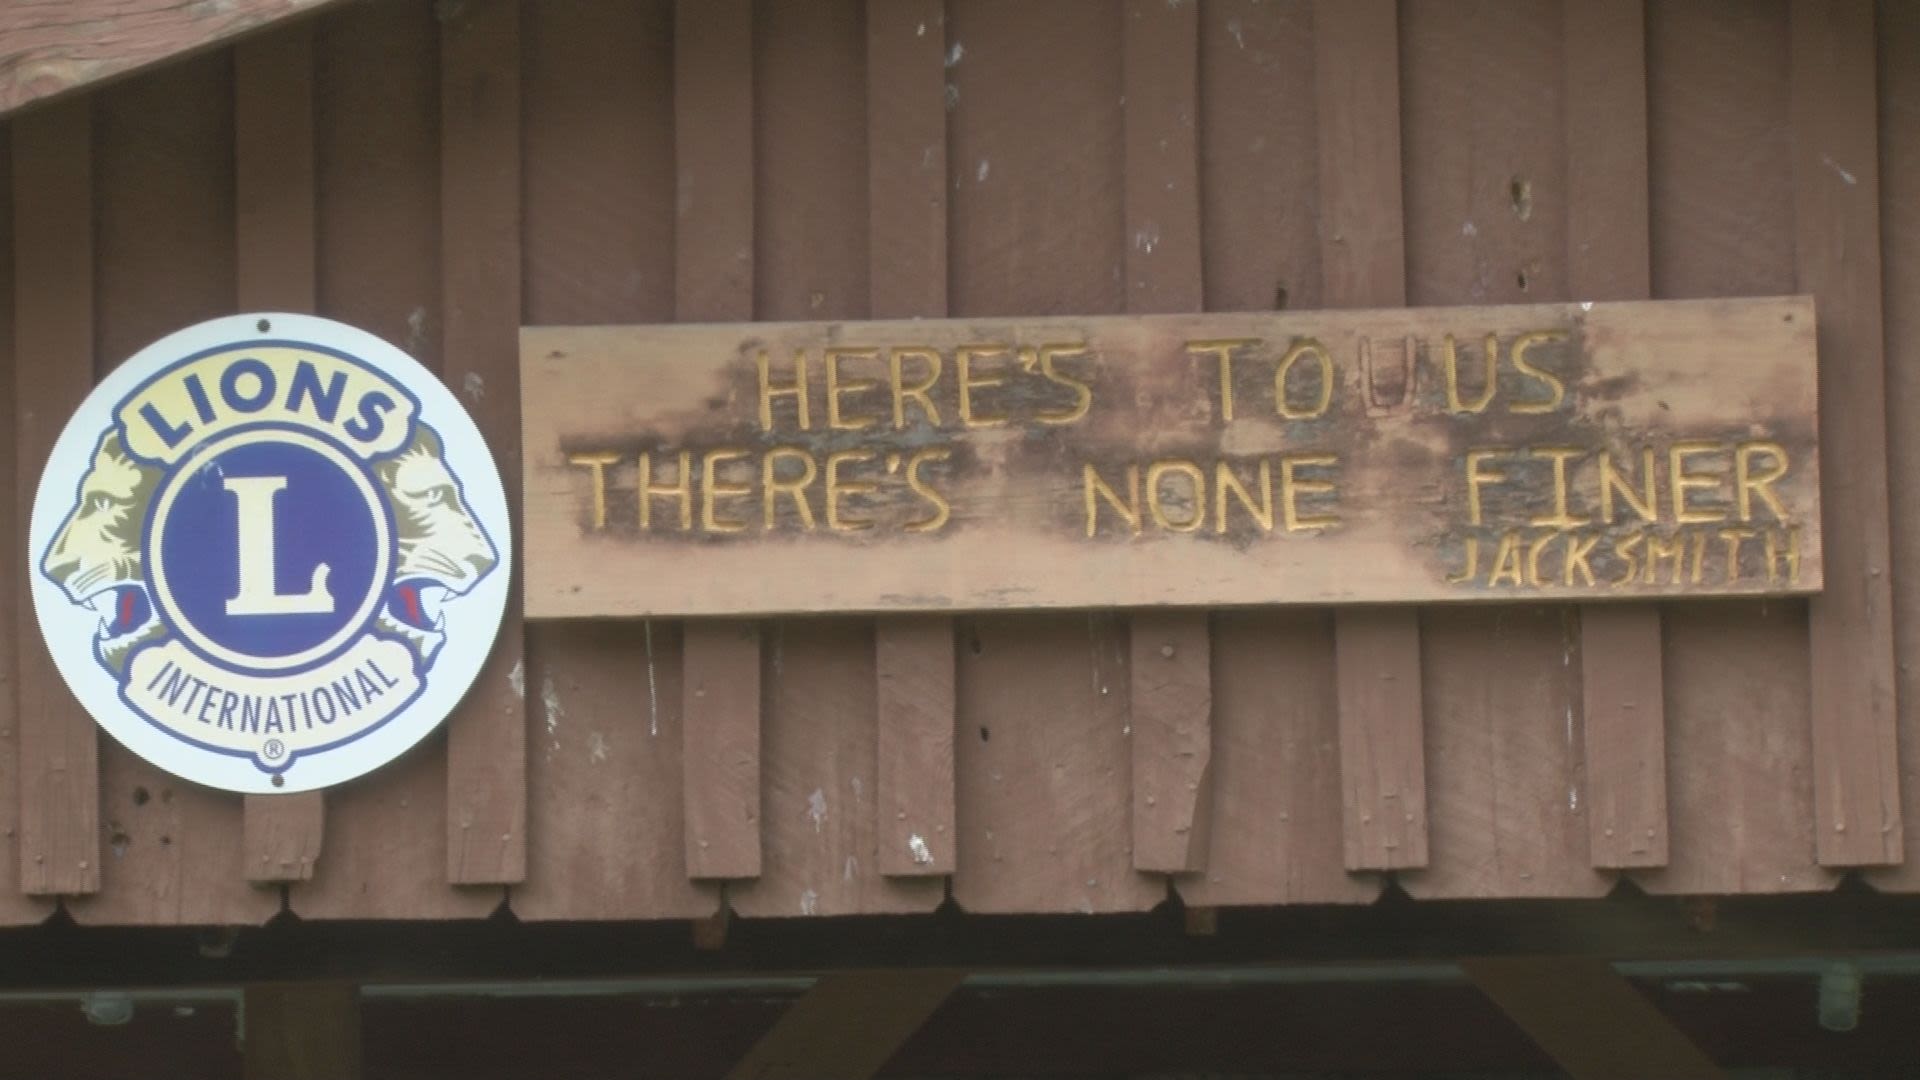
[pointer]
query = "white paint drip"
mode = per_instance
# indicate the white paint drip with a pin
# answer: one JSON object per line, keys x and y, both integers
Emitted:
{"x": 953, "y": 97}
{"x": 596, "y": 747}
{"x": 1147, "y": 237}
{"x": 851, "y": 870}
{"x": 1469, "y": 229}
{"x": 653, "y": 690}
{"x": 980, "y": 174}
{"x": 817, "y": 808}
{"x": 917, "y": 847}
{"x": 474, "y": 385}
{"x": 417, "y": 331}
{"x": 1238, "y": 31}
{"x": 955, "y": 54}
{"x": 921, "y": 31}
{"x": 555, "y": 712}
{"x": 517, "y": 678}
{"x": 1838, "y": 171}
{"x": 855, "y": 782}
{"x": 809, "y": 902}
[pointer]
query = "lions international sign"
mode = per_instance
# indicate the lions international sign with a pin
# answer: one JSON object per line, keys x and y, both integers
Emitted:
{"x": 1584, "y": 452}
{"x": 269, "y": 553}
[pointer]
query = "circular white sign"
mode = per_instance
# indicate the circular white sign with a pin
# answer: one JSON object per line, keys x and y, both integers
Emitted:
{"x": 270, "y": 553}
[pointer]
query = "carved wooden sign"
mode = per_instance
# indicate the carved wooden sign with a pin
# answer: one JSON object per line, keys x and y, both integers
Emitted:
{"x": 1571, "y": 451}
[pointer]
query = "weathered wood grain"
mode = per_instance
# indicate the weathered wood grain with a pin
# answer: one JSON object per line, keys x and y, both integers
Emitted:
{"x": 1608, "y": 237}
{"x": 1898, "y": 37}
{"x": 1171, "y": 665}
{"x": 15, "y": 604}
{"x": 166, "y": 227}
{"x": 54, "y": 47}
{"x": 714, "y": 238}
{"x": 907, "y": 277}
{"x": 721, "y": 669}
{"x": 914, "y": 665}
{"x": 1363, "y": 264}
{"x": 1590, "y": 1019}
{"x": 377, "y": 101}
{"x": 274, "y": 239}
{"x": 301, "y": 1031}
{"x": 53, "y": 370}
{"x": 480, "y": 282}
{"x": 1486, "y": 223}
{"x": 1171, "y": 723}
{"x": 847, "y": 1026}
{"x": 1740, "y": 798}
{"x": 1275, "y": 812}
{"x": 1836, "y": 178}
{"x": 1435, "y": 502}
{"x": 599, "y": 246}
{"x": 821, "y": 731}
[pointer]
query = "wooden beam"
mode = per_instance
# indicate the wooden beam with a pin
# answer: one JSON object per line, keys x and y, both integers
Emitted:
{"x": 907, "y": 278}
{"x": 50, "y": 49}
{"x": 275, "y": 253}
{"x": 301, "y": 1031}
{"x": 713, "y": 281}
{"x": 1171, "y": 692}
{"x": 1363, "y": 261}
{"x": 847, "y": 1026}
{"x": 1836, "y": 181}
{"x": 53, "y": 372}
{"x": 480, "y": 282}
{"x": 1609, "y": 257}
{"x": 1589, "y": 1019}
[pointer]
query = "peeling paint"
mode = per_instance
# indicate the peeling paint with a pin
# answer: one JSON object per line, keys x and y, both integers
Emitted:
{"x": 917, "y": 847}
{"x": 817, "y": 808}
{"x": 653, "y": 690}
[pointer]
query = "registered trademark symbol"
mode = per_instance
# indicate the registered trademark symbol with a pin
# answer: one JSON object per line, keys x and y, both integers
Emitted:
{"x": 273, "y": 750}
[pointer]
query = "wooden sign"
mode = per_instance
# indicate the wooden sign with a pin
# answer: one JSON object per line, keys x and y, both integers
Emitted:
{"x": 1573, "y": 451}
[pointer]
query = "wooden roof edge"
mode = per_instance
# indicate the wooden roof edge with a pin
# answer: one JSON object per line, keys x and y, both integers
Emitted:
{"x": 51, "y": 48}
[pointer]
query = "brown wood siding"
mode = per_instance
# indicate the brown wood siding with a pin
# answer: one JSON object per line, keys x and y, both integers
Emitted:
{"x": 453, "y": 171}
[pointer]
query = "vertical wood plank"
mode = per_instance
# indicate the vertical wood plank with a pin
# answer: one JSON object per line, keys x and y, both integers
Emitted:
{"x": 275, "y": 238}
{"x": 1486, "y": 222}
{"x": 164, "y": 244}
{"x": 1274, "y": 816}
{"x": 713, "y": 282}
{"x": 907, "y": 277}
{"x": 1172, "y": 688}
{"x": 480, "y": 284}
{"x": 1898, "y": 36}
{"x": 15, "y": 906}
{"x": 1042, "y": 759}
{"x": 1720, "y": 176}
{"x": 913, "y": 661}
{"x": 298, "y": 1031}
{"x": 821, "y": 725}
{"x": 606, "y": 734}
{"x": 377, "y": 90}
{"x": 1363, "y": 264}
{"x": 1609, "y": 258}
{"x": 720, "y": 661}
{"x": 53, "y": 370}
{"x": 1836, "y": 173}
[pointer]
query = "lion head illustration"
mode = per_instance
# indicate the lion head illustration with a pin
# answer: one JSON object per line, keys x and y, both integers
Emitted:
{"x": 441, "y": 552}
{"x": 95, "y": 557}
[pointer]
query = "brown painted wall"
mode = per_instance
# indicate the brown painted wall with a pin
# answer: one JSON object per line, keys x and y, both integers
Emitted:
{"x": 615, "y": 161}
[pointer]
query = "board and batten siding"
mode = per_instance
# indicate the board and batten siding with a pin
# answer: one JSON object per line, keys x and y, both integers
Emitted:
{"x": 442, "y": 174}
